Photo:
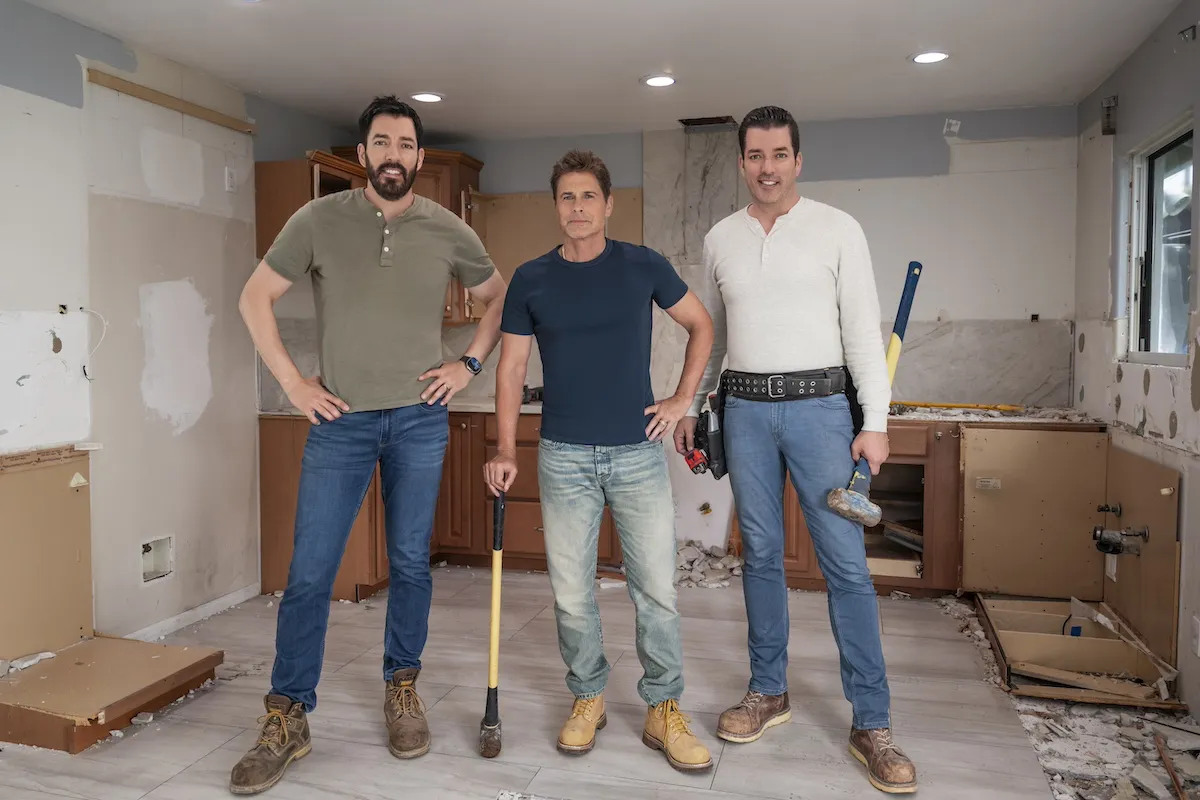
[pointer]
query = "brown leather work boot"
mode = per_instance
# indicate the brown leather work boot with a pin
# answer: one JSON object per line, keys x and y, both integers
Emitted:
{"x": 888, "y": 769}
{"x": 408, "y": 730}
{"x": 749, "y": 719}
{"x": 578, "y": 734}
{"x": 667, "y": 730}
{"x": 283, "y": 739}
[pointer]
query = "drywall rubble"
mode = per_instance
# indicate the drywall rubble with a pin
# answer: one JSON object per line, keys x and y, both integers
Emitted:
{"x": 709, "y": 568}
{"x": 1094, "y": 752}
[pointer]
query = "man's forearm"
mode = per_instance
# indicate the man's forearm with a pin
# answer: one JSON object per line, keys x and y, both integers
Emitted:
{"x": 259, "y": 315}
{"x": 510, "y": 381}
{"x": 695, "y": 361}
{"x": 487, "y": 334}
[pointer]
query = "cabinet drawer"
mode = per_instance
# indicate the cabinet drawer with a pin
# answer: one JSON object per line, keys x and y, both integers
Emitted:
{"x": 523, "y": 534}
{"x": 529, "y": 428}
{"x": 525, "y": 487}
{"x": 908, "y": 440}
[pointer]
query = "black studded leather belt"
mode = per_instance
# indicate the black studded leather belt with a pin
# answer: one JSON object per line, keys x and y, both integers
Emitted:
{"x": 784, "y": 385}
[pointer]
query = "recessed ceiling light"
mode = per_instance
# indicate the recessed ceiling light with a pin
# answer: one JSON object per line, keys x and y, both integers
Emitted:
{"x": 658, "y": 81}
{"x": 931, "y": 57}
{"x": 427, "y": 97}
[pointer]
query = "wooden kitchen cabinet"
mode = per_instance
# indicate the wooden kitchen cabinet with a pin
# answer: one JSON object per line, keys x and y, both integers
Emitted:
{"x": 917, "y": 490}
{"x": 282, "y": 187}
{"x": 462, "y": 529}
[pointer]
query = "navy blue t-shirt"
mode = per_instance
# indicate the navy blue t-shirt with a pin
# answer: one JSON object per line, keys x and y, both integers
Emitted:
{"x": 592, "y": 321}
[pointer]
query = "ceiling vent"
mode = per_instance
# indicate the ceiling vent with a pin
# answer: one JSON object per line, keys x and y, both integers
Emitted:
{"x": 706, "y": 124}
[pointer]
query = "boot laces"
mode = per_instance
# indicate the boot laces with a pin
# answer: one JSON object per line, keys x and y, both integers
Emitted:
{"x": 676, "y": 720}
{"x": 884, "y": 742}
{"x": 752, "y": 699}
{"x": 584, "y": 707}
{"x": 275, "y": 731}
{"x": 405, "y": 699}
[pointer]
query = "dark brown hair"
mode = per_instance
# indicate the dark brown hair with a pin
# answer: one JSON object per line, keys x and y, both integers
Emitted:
{"x": 767, "y": 117}
{"x": 581, "y": 161}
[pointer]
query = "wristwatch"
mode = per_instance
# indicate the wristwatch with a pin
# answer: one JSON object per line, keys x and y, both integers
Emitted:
{"x": 473, "y": 365}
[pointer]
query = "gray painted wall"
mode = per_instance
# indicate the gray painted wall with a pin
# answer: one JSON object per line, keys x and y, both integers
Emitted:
{"x": 891, "y": 147}
{"x": 285, "y": 133}
{"x": 1154, "y": 87}
{"x": 524, "y": 165}
{"x": 38, "y": 52}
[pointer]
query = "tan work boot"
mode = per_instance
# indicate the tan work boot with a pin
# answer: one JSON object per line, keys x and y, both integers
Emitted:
{"x": 408, "y": 730}
{"x": 749, "y": 719}
{"x": 284, "y": 738}
{"x": 667, "y": 730}
{"x": 578, "y": 734}
{"x": 888, "y": 769}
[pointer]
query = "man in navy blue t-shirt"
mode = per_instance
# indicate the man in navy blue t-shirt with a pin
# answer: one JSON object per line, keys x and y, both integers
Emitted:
{"x": 589, "y": 303}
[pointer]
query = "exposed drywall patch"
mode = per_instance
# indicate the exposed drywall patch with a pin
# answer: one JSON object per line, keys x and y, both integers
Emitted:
{"x": 44, "y": 396}
{"x": 38, "y": 52}
{"x": 176, "y": 327}
{"x": 173, "y": 167}
{"x": 1012, "y": 156}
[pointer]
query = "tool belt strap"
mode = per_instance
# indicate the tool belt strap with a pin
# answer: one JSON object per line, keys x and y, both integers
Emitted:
{"x": 784, "y": 386}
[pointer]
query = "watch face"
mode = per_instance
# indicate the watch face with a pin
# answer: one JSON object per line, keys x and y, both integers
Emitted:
{"x": 473, "y": 364}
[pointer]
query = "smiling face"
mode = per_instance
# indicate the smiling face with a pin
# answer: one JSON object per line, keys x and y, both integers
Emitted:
{"x": 583, "y": 210}
{"x": 769, "y": 165}
{"x": 391, "y": 156}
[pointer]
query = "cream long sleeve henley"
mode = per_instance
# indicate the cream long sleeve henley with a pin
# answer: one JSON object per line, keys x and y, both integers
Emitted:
{"x": 800, "y": 297}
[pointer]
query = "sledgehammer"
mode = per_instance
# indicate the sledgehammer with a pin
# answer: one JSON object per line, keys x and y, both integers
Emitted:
{"x": 852, "y": 502}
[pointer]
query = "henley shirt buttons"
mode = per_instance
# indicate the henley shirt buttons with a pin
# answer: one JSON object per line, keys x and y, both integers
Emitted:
{"x": 387, "y": 249}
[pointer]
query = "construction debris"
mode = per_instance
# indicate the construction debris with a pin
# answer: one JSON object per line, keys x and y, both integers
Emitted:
{"x": 1096, "y": 751}
{"x": 25, "y": 662}
{"x": 709, "y": 568}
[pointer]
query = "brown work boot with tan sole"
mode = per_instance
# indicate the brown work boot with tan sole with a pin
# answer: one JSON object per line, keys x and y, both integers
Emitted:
{"x": 578, "y": 734}
{"x": 284, "y": 738}
{"x": 749, "y": 719}
{"x": 408, "y": 730}
{"x": 888, "y": 769}
{"x": 667, "y": 730}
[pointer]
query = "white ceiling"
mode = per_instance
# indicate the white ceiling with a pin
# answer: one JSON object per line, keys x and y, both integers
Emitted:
{"x": 513, "y": 68}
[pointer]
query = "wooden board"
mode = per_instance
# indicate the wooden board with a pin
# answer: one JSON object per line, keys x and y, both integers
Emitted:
{"x": 46, "y": 542}
{"x": 73, "y": 700}
{"x": 1018, "y": 537}
{"x": 1146, "y": 591}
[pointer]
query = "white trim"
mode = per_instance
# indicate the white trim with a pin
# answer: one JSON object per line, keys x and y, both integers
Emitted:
{"x": 1157, "y": 359}
{"x": 158, "y": 630}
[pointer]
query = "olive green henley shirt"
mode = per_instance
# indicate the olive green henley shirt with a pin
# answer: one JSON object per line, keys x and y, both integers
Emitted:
{"x": 380, "y": 290}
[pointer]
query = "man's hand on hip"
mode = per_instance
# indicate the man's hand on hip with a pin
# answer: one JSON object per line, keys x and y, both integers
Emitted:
{"x": 500, "y": 472}
{"x": 685, "y": 435}
{"x": 448, "y": 380}
{"x": 873, "y": 445}
{"x": 310, "y": 397}
{"x": 666, "y": 414}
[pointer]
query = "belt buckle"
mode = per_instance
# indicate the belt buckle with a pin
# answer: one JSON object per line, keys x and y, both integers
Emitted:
{"x": 771, "y": 387}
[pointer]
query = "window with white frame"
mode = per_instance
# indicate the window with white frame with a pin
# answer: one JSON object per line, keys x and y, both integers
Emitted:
{"x": 1162, "y": 250}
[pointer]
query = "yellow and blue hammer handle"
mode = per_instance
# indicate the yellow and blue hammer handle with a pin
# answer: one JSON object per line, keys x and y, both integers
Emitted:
{"x": 862, "y": 470}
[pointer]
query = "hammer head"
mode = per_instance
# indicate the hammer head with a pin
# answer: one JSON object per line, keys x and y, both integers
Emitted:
{"x": 855, "y": 507}
{"x": 489, "y": 740}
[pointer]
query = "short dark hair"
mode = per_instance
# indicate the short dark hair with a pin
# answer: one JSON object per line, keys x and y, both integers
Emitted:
{"x": 390, "y": 106}
{"x": 581, "y": 161}
{"x": 767, "y": 117}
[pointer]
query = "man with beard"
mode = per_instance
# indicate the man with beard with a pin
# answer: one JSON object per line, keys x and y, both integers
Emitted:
{"x": 790, "y": 287}
{"x": 380, "y": 260}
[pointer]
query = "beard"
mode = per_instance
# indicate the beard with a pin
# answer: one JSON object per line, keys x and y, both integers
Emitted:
{"x": 390, "y": 187}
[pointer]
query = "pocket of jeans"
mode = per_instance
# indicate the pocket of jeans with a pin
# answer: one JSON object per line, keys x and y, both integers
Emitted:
{"x": 436, "y": 408}
{"x": 550, "y": 444}
{"x": 833, "y": 401}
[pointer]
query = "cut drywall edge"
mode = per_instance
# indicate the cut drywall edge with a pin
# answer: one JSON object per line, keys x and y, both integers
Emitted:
{"x": 44, "y": 396}
{"x": 158, "y": 630}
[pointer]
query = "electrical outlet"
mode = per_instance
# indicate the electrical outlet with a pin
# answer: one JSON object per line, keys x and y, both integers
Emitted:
{"x": 1196, "y": 636}
{"x": 230, "y": 180}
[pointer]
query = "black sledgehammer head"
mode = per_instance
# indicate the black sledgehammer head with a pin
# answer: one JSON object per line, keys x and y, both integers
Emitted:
{"x": 489, "y": 740}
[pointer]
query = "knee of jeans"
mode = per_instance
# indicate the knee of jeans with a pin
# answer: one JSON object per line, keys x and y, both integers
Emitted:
{"x": 574, "y": 604}
{"x": 854, "y": 578}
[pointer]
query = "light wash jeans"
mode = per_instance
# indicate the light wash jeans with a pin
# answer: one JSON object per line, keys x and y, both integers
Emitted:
{"x": 409, "y": 445}
{"x": 810, "y": 439}
{"x": 576, "y": 481}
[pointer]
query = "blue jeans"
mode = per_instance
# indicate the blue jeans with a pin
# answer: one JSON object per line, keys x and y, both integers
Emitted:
{"x": 409, "y": 444}
{"x": 810, "y": 440}
{"x": 575, "y": 483}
